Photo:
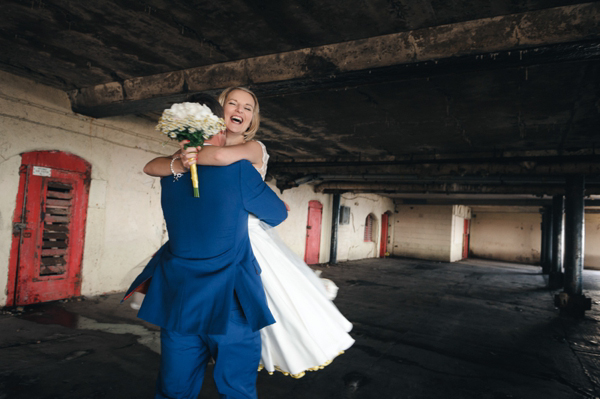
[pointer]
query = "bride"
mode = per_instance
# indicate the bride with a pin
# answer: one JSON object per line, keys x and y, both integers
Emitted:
{"x": 309, "y": 331}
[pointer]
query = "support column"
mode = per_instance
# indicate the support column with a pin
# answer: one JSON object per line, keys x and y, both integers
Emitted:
{"x": 572, "y": 300}
{"x": 555, "y": 275}
{"x": 546, "y": 255}
{"x": 335, "y": 222}
{"x": 574, "y": 233}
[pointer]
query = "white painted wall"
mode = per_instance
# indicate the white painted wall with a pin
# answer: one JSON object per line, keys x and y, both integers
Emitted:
{"x": 293, "y": 229}
{"x": 124, "y": 220}
{"x": 351, "y": 244}
{"x": 592, "y": 241}
{"x": 423, "y": 231}
{"x": 511, "y": 234}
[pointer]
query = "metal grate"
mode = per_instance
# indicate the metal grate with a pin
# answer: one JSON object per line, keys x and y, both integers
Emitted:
{"x": 57, "y": 218}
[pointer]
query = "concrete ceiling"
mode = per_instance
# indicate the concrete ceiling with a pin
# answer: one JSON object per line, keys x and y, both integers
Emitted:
{"x": 387, "y": 96}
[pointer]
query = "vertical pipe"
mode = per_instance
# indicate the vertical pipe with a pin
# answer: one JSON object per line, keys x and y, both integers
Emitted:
{"x": 334, "y": 229}
{"x": 555, "y": 278}
{"x": 546, "y": 253}
{"x": 543, "y": 228}
{"x": 549, "y": 231}
{"x": 574, "y": 234}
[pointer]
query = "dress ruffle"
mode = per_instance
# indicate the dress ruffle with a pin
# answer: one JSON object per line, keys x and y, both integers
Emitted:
{"x": 309, "y": 331}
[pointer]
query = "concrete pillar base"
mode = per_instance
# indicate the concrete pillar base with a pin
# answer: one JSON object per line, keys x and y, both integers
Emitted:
{"x": 572, "y": 305}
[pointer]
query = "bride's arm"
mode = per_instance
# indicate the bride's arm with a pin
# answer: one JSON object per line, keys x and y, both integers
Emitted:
{"x": 161, "y": 166}
{"x": 209, "y": 155}
{"x": 221, "y": 156}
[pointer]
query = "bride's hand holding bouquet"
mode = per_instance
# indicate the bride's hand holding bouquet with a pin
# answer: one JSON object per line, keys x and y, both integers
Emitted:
{"x": 192, "y": 122}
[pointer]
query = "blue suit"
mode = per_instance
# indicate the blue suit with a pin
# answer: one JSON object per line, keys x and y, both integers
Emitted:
{"x": 205, "y": 282}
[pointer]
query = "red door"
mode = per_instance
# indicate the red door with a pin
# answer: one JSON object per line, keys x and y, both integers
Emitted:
{"x": 465, "y": 253}
{"x": 313, "y": 232}
{"x": 48, "y": 228}
{"x": 384, "y": 235}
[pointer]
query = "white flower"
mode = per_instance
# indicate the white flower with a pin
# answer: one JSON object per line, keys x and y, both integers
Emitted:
{"x": 189, "y": 117}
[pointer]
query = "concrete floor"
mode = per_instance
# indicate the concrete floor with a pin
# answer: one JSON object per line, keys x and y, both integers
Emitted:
{"x": 473, "y": 329}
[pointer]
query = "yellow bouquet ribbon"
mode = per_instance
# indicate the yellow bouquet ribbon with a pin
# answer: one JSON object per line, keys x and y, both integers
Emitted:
{"x": 194, "y": 172}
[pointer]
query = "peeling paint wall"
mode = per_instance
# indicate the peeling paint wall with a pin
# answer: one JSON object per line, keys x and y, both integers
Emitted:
{"x": 351, "y": 243}
{"x": 423, "y": 231}
{"x": 124, "y": 220}
{"x": 293, "y": 229}
{"x": 506, "y": 233}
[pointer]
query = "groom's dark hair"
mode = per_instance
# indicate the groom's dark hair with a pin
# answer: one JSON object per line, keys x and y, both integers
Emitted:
{"x": 209, "y": 101}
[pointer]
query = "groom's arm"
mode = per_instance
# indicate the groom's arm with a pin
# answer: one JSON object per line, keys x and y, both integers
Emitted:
{"x": 258, "y": 198}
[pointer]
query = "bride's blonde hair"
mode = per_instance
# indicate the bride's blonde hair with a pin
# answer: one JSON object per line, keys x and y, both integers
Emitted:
{"x": 255, "y": 123}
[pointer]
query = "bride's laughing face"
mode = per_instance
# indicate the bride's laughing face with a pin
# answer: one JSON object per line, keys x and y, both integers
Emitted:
{"x": 239, "y": 108}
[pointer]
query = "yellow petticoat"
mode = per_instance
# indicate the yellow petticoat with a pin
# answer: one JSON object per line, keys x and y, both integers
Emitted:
{"x": 303, "y": 373}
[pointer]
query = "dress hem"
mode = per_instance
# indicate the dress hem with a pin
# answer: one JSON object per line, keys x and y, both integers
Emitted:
{"x": 302, "y": 373}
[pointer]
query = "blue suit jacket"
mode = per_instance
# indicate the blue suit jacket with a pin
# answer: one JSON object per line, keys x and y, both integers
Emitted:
{"x": 208, "y": 254}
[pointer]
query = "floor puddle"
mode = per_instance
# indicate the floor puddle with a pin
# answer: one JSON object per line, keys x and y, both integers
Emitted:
{"x": 53, "y": 314}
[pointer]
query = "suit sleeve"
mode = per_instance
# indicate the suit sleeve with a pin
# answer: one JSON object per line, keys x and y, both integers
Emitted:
{"x": 258, "y": 198}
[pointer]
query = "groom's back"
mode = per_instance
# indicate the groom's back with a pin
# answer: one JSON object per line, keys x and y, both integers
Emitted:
{"x": 208, "y": 226}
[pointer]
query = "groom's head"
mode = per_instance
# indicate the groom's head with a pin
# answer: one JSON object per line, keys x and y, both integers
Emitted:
{"x": 217, "y": 109}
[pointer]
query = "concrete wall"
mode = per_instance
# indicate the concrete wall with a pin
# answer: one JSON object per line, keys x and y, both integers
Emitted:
{"x": 124, "y": 220}
{"x": 293, "y": 229}
{"x": 592, "y": 241}
{"x": 424, "y": 231}
{"x": 351, "y": 244}
{"x": 513, "y": 234}
{"x": 506, "y": 233}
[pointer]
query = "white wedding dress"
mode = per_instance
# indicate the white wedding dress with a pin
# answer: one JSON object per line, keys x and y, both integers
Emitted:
{"x": 309, "y": 331}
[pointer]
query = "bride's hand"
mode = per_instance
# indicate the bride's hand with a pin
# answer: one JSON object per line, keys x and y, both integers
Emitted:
{"x": 188, "y": 155}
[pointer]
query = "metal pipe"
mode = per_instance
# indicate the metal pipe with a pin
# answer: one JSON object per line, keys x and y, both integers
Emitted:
{"x": 441, "y": 178}
{"x": 574, "y": 234}
{"x": 555, "y": 278}
{"x": 547, "y": 240}
{"x": 335, "y": 221}
{"x": 543, "y": 228}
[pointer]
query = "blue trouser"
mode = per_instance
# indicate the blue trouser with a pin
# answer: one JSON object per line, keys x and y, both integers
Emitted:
{"x": 184, "y": 358}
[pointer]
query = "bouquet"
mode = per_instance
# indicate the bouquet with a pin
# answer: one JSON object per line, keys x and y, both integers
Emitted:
{"x": 190, "y": 121}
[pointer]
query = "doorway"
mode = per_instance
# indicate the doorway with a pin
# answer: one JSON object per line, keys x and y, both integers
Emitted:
{"x": 313, "y": 233}
{"x": 466, "y": 233}
{"x": 385, "y": 234}
{"x": 48, "y": 228}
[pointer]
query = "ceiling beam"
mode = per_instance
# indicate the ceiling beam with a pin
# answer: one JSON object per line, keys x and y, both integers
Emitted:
{"x": 482, "y": 40}
{"x": 492, "y": 202}
{"x": 547, "y": 171}
{"x": 535, "y": 202}
{"x": 444, "y": 188}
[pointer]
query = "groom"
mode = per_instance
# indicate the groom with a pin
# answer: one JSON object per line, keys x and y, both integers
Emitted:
{"x": 204, "y": 287}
